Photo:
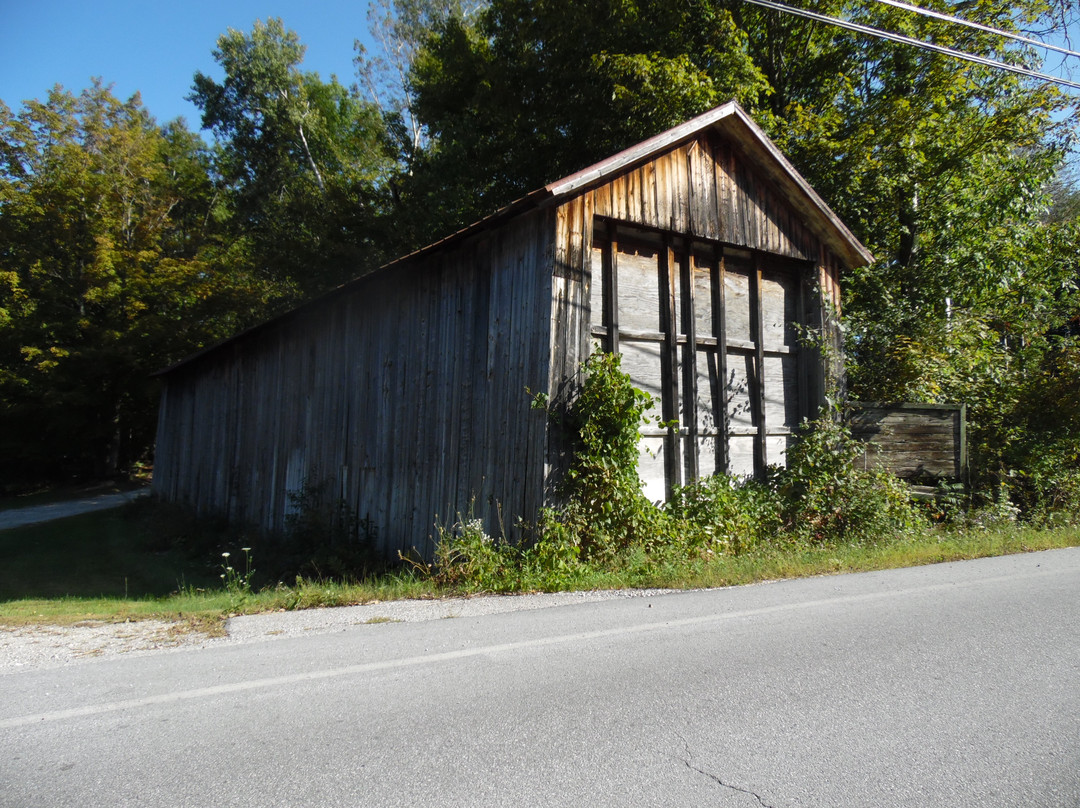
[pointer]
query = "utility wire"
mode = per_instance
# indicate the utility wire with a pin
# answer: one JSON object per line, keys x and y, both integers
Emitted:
{"x": 926, "y": 12}
{"x": 918, "y": 43}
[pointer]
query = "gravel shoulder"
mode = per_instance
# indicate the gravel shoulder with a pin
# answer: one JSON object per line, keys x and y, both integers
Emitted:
{"x": 39, "y": 647}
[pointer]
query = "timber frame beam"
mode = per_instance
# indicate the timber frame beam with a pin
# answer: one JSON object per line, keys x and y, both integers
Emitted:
{"x": 701, "y": 375}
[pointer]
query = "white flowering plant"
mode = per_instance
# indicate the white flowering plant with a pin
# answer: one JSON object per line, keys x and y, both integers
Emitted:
{"x": 236, "y": 582}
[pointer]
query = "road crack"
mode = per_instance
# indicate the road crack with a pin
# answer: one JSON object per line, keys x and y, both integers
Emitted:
{"x": 718, "y": 780}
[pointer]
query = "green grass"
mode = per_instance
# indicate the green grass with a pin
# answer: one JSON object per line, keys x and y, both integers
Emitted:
{"x": 100, "y": 554}
{"x": 931, "y": 547}
{"x": 206, "y": 610}
{"x": 113, "y": 566}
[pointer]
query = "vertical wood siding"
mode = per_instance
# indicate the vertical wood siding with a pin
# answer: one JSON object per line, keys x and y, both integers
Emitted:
{"x": 569, "y": 345}
{"x": 404, "y": 395}
{"x": 705, "y": 188}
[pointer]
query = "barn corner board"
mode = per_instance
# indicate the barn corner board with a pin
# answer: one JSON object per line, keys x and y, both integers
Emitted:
{"x": 700, "y": 255}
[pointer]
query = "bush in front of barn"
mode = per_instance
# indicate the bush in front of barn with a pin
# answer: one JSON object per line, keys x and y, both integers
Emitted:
{"x": 826, "y": 497}
{"x": 607, "y": 525}
{"x": 604, "y": 510}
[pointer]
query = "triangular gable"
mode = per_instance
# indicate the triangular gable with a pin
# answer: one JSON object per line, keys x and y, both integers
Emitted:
{"x": 732, "y": 122}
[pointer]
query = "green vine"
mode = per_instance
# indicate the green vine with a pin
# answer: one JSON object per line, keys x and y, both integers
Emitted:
{"x": 605, "y": 510}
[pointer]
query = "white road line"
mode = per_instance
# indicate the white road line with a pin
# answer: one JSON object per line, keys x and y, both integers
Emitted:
{"x": 501, "y": 648}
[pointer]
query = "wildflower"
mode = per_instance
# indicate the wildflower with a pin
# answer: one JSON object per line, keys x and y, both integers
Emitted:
{"x": 225, "y": 555}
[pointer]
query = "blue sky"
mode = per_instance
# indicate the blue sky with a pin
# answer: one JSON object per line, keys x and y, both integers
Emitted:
{"x": 155, "y": 47}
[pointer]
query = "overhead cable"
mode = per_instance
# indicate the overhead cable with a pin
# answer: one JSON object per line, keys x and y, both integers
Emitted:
{"x": 917, "y": 43}
{"x": 926, "y": 12}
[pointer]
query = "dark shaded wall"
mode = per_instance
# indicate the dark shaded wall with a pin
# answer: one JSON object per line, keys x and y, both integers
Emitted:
{"x": 403, "y": 395}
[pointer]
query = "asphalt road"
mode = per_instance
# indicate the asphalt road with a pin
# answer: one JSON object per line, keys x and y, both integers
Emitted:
{"x": 957, "y": 684}
{"x": 35, "y": 514}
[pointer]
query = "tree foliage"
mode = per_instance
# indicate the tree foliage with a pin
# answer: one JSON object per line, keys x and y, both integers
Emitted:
{"x": 524, "y": 92}
{"x": 399, "y": 29}
{"x": 944, "y": 169}
{"x": 301, "y": 161}
{"x": 107, "y": 273}
{"x": 125, "y": 245}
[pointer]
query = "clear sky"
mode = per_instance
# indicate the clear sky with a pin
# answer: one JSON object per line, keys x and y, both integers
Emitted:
{"x": 155, "y": 47}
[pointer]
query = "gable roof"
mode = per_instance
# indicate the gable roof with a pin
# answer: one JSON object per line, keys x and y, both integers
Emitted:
{"x": 729, "y": 120}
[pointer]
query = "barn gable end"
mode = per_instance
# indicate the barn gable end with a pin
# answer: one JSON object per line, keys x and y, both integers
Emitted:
{"x": 700, "y": 255}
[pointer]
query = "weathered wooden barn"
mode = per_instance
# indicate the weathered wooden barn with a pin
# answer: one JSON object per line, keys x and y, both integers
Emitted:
{"x": 701, "y": 255}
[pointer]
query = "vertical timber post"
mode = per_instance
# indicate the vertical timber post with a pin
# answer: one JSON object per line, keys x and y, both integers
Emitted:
{"x": 611, "y": 291}
{"x": 689, "y": 364}
{"x": 669, "y": 363}
{"x": 720, "y": 399}
{"x": 761, "y": 456}
{"x": 803, "y": 351}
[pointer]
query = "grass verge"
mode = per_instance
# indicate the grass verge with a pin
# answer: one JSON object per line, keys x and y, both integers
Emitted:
{"x": 206, "y": 610}
{"x": 105, "y": 567}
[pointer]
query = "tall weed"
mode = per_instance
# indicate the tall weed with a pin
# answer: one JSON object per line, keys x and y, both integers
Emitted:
{"x": 827, "y": 498}
{"x": 725, "y": 515}
{"x": 605, "y": 510}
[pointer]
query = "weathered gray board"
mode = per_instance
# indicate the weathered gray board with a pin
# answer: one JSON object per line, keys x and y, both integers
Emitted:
{"x": 404, "y": 395}
{"x": 920, "y": 443}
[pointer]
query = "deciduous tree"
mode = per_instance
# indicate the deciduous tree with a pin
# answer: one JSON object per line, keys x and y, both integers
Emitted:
{"x": 106, "y": 274}
{"x": 301, "y": 160}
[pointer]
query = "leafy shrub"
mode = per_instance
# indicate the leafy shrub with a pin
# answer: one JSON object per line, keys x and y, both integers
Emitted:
{"x": 725, "y": 515}
{"x": 827, "y": 498}
{"x": 323, "y": 539}
{"x": 1040, "y": 459}
{"x": 605, "y": 510}
{"x": 553, "y": 561}
{"x": 1046, "y": 490}
{"x": 467, "y": 558}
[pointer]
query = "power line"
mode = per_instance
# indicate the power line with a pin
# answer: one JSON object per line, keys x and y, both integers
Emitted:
{"x": 926, "y": 12}
{"x": 917, "y": 43}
